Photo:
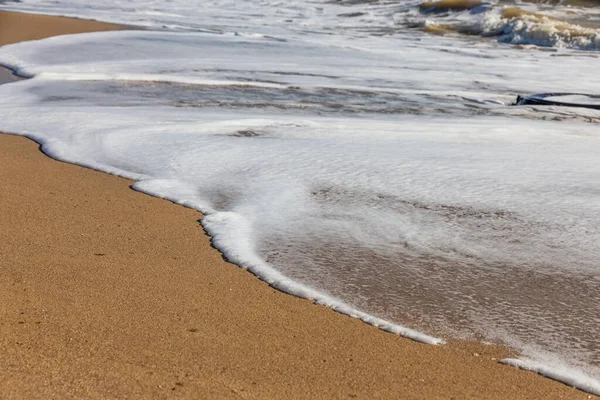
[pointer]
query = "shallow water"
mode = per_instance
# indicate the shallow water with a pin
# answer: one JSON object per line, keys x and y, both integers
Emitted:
{"x": 343, "y": 153}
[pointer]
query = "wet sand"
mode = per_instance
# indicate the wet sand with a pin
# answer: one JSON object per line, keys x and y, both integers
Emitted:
{"x": 109, "y": 293}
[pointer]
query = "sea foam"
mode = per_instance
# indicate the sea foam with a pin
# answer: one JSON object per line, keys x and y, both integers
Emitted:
{"x": 369, "y": 173}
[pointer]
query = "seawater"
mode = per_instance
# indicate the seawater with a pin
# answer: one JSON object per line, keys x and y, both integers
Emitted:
{"x": 364, "y": 155}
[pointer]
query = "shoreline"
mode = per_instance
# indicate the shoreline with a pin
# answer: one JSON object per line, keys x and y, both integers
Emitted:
{"x": 80, "y": 319}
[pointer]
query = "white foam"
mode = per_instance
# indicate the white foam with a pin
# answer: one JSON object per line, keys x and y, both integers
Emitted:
{"x": 540, "y": 31}
{"x": 369, "y": 173}
{"x": 558, "y": 27}
{"x": 567, "y": 375}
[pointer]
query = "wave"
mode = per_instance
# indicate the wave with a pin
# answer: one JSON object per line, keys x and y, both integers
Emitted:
{"x": 512, "y": 25}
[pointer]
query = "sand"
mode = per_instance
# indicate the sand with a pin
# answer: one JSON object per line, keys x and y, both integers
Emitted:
{"x": 18, "y": 27}
{"x": 109, "y": 293}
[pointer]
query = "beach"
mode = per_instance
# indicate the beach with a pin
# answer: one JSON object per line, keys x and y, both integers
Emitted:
{"x": 110, "y": 293}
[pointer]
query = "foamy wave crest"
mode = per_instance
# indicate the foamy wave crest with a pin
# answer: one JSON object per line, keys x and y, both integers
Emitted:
{"x": 509, "y": 24}
{"x": 516, "y": 26}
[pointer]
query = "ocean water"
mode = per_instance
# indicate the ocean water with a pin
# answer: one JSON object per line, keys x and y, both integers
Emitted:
{"x": 366, "y": 155}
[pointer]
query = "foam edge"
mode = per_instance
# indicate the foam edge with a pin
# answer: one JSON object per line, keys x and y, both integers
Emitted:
{"x": 244, "y": 257}
{"x": 565, "y": 375}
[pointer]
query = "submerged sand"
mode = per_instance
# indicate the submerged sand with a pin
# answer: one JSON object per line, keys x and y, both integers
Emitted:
{"x": 109, "y": 293}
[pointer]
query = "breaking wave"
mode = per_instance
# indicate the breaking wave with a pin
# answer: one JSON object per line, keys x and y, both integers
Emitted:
{"x": 509, "y": 24}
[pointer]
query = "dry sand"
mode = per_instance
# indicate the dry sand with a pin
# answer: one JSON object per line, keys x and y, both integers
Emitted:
{"x": 109, "y": 293}
{"x": 18, "y": 27}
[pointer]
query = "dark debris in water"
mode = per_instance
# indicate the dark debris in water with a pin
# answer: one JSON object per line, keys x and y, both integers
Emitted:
{"x": 351, "y": 14}
{"x": 542, "y": 100}
{"x": 246, "y": 133}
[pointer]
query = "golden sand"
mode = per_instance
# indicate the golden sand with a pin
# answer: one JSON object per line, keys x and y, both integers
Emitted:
{"x": 18, "y": 27}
